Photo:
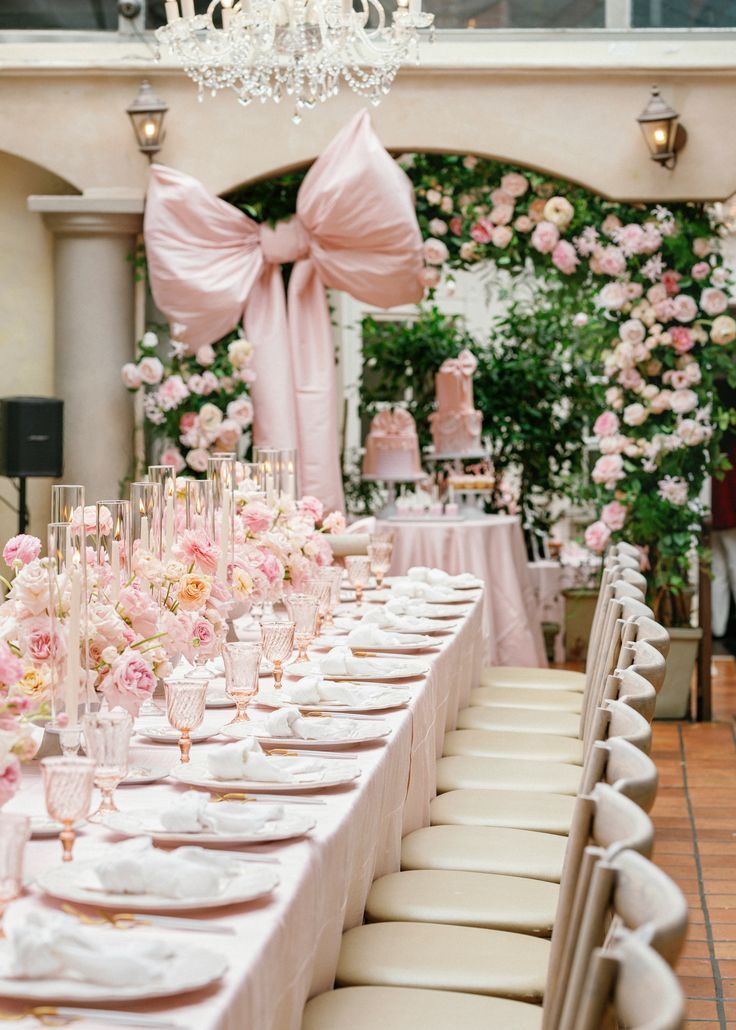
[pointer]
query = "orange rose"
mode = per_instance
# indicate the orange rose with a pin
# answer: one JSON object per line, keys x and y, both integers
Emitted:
{"x": 194, "y": 591}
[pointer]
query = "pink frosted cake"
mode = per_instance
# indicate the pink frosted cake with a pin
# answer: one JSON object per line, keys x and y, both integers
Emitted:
{"x": 392, "y": 447}
{"x": 456, "y": 424}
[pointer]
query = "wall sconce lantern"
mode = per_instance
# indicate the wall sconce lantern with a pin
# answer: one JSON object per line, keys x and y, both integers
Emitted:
{"x": 661, "y": 129}
{"x": 147, "y": 113}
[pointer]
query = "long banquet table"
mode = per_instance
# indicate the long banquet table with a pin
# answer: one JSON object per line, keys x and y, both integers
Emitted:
{"x": 286, "y": 945}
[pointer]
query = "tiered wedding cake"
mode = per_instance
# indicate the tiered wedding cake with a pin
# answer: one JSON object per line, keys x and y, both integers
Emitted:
{"x": 456, "y": 424}
{"x": 392, "y": 447}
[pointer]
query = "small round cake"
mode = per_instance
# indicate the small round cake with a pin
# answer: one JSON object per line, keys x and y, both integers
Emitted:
{"x": 392, "y": 447}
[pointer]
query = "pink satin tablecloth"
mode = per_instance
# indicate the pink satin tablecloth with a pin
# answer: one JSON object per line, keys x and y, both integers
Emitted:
{"x": 492, "y": 548}
{"x": 286, "y": 945}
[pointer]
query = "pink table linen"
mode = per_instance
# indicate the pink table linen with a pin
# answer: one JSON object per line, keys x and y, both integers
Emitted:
{"x": 492, "y": 548}
{"x": 287, "y": 944}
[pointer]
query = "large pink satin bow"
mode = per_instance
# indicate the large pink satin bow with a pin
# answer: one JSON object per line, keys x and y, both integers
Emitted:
{"x": 464, "y": 364}
{"x": 210, "y": 266}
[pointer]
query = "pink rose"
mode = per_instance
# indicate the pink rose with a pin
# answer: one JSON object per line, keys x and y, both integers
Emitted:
{"x": 630, "y": 379}
{"x": 606, "y": 424}
{"x": 502, "y": 214}
{"x": 661, "y": 402}
{"x": 173, "y": 456}
{"x": 635, "y": 414}
{"x": 197, "y": 459}
{"x": 597, "y": 536}
{"x": 683, "y": 401}
{"x": 613, "y": 296}
{"x": 129, "y": 682}
{"x": 713, "y": 301}
{"x": 456, "y": 226}
{"x": 189, "y": 420}
{"x": 523, "y": 224}
{"x": 435, "y": 251}
{"x": 656, "y": 293}
{"x": 685, "y": 308}
{"x": 228, "y": 434}
{"x": 671, "y": 282}
{"x": 515, "y": 184}
{"x": 22, "y": 549}
{"x": 430, "y": 277}
{"x": 9, "y": 778}
{"x": 501, "y": 236}
{"x": 437, "y": 226}
{"x": 311, "y": 506}
{"x": 210, "y": 382}
{"x": 565, "y": 258}
{"x": 682, "y": 339}
{"x": 634, "y": 290}
{"x": 480, "y": 233}
{"x": 614, "y": 515}
{"x": 37, "y": 642}
{"x": 196, "y": 384}
{"x": 131, "y": 376}
{"x": 500, "y": 196}
{"x": 11, "y": 669}
{"x": 608, "y": 470}
{"x": 630, "y": 238}
{"x": 271, "y": 568}
{"x": 545, "y": 237}
{"x": 610, "y": 224}
{"x": 257, "y": 517}
{"x": 673, "y": 489}
{"x": 203, "y": 636}
{"x": 632, "y": 331}
{"x": 612, "y": 261}
{"x": 334, "y": 522}
{"x": 195, "y": 546}
{"x": 206, "y": 355}
{"x": 700, "y": 271}
{"x": 701, "y": 247}
{"x": 664, "y": 310}
{"x": 171, "y": 393}
{"x": 151, "y": 370}
{"x": 241, "y": 410}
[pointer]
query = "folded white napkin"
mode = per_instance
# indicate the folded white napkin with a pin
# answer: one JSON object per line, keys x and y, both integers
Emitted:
{"x": 46, "y": 944}
{"x": 370, "y": 635}
{"x": 313, "y": 690}
{"x": 246, "y": 761}
{"x": 414, "y": 607}
{"x": 287, "y": 722}
{"x": 424, "y": 591}
{"x": 136, "y": 867}
{"x": 385, "y": 619}
{"x": 439, "y": 578}
{"x": 193, "y": 812}
{"x": 340, "y": 662}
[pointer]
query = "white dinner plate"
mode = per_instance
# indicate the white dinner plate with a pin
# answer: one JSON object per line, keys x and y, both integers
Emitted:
{"x": 335, "y": 773}
{"x": 78, "y": 882}
{"x": 142, "y": 822}
{"x": 353, "y": 732}
{"x": 42, "y": 827}
{"x": 168, "y": 735}
{"x": 148, "y": 765}
{"x": 390, "y": 697}
{"x": 386, "y": 669}
{"x": 432, "y": 627}
{"x": 422, "y": 643}
{"x": 189, "y": 969}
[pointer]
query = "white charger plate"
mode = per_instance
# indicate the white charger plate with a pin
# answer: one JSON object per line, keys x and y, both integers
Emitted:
{"x": 364, "y": 732}
{"x": 189, "y": 969}
{"x": 390, "y": 698}
{"x": 76, "y": 882}
{"x": 422, "y": 644}
{"x": 197, "y": 774}
{"x": 387, "y": 671}
{"x": 168, "y": 735}
{"x": 142, "y": 822}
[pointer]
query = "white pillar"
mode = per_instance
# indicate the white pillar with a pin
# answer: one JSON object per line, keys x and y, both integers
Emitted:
{"x": 95, "y": 237}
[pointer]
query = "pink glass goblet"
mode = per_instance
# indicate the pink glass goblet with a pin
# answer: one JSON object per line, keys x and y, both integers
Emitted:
{"x": 242, "y": 661}
{"x": 358, "y": 568}
{"x": 303, "y": 609}
{"x": 333, "y": 577}
{"x": 277, "y": 640}
{"x": 185, "y": 700}
{"x": 67, "y": 784}
{"x": 379, "y": 554}
{"x": 107, "y": 740}
{"x": 15, "y": 832}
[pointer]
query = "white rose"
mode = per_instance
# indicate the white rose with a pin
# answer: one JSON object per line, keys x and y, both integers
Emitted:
{"x": 206, "y": 355}
{"x": 691, "y": 432}
{"x": 559, "y": 211}
{"x": 723, "y": 330}
{"x": 650, "y": 391}
{"x": 151, "y": 370}
{"x": 683, "y": 401}
{"x": 210, "y": 418}
{"x": 635, "y": 414}
{"x": 131, "y": 376}
{"x": 149, "y": 341}
{"x": 239, "y": 352}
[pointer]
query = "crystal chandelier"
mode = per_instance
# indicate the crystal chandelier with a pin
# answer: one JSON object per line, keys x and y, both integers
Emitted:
{"x": 271, "y": 49}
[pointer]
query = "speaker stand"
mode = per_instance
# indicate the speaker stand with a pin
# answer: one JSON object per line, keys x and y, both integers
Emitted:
{"x": 22, "y": 511}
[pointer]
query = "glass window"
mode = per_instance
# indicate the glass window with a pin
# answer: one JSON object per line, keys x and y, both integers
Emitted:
{"x": 683, "y": 14}
{"x": 79, "y": 15}
{"x": 517, "y": 14}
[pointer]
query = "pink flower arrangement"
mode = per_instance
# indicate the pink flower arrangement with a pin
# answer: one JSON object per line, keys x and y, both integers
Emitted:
{"x": 128, "y": 682}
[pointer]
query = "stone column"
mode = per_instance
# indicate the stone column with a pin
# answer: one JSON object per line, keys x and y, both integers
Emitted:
{"x": 95, "y": 237}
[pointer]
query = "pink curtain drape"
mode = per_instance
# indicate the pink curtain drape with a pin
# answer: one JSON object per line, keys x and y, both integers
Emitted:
{"x": 212, "y": 266}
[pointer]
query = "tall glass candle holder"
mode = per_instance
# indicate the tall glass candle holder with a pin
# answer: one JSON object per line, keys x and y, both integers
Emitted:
{"x": 65, "y": 500}
{"x": 221, "y": 473}
{"x": 146, "y": 510}
{"x": 269, "y": 471}
{"x": 287, "y": 469}
{"x": 114, "y": 543}
{"x": 246, "y": 476}
{"x": 165, "y": 476}
{"x": 200, "y": 506}
{"x": 67, "y": 634}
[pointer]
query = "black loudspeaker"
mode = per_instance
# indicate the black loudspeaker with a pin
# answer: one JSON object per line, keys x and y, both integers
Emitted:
{"x": 31, "y": 436}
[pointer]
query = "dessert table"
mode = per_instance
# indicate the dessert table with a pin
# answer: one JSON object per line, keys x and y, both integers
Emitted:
{"x": 285, "y": 945}
{"x": 492, "y": 548}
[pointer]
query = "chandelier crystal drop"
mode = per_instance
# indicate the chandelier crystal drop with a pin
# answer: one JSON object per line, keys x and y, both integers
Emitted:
{"x": 301, "y": 49}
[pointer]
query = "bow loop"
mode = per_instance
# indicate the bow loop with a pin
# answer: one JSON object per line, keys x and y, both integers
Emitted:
{"x": 285, "y": 243}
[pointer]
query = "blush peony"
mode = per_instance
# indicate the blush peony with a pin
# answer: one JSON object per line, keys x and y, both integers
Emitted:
{"x": 606, "y": 424}
{"x": 545, "y": 237}
{"x": 21, "y": 550}
{"x": 608, "y": 470}
{"x": 613, "y": 515}
{"x": 129, "y": 682}
{"x": 597, "y": 536}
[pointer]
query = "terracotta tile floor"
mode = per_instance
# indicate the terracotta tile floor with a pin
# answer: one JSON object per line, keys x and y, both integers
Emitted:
{"x": 695, "y": 818}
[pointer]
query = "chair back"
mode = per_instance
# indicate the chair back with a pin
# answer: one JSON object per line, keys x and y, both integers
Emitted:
{"x": 632, "y": 688}
{"x": 624, "y": 767}
{"x": 625, "y": 888}
{"x": 614, "y": 570}
{"x": 627, "y": 550}
{"x": 629, "y": 984}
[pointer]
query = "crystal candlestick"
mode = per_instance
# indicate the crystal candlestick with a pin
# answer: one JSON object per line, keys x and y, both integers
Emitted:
{"x": 303, "y": 609}
{"x": 277, "y": 639}
{"x": 358, "y": 568}
{"x": 185, "y": 699}
{"x": 242, "y": 661}
{"x": 67, "y": 784}
{"x": 107, "y": 740}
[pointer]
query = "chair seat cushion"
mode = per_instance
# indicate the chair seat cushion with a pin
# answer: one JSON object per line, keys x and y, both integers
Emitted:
{"x": 464, "y": 899}
{"x": 541, "y": 679}
{"x": 485, "y": 849}
{"x": 512, "y": 697}
{"x": 498, "y": 744}
{"x": 458, "y": 772}
{"x": 404, "y": 1008}
{"x": 524, "y": 810}
{"x": 513, "y": 720}
{"x": 447, "y": 958}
